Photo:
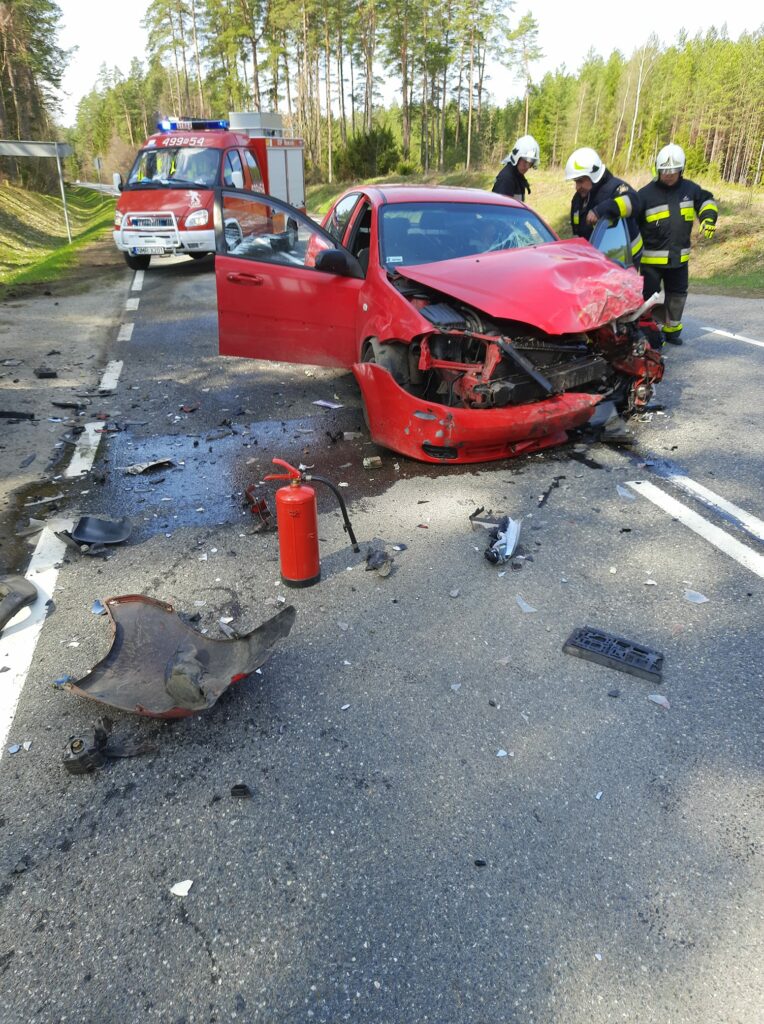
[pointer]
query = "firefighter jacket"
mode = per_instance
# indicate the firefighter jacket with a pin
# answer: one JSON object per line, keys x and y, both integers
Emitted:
{"x": 610, "y": 197}
{"x": 510, "y": 182}
{"x": 666, "y": 216}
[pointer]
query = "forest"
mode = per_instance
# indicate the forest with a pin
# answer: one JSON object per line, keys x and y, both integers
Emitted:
{"x": 395, "y": 86}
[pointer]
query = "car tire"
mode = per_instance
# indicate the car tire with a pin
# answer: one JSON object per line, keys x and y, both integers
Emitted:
{"x": 392, "y": 356}
{"x": 198, "y": 255}
{"x": 137, "y": 262}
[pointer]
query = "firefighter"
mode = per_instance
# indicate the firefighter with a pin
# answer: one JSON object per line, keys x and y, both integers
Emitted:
{"x": 668, "y": 206}
{"x": 511, "y": 180}
{"x": 600, "y": 194}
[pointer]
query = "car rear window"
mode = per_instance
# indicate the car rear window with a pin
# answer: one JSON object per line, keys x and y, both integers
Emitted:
{"x": 413, "y": 233}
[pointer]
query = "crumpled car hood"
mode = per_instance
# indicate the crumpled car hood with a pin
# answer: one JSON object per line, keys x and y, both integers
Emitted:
{"x": 559, "y": 287}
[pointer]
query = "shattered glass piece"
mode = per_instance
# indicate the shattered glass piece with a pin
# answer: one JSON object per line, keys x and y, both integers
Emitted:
{"x": 160, "y": 667}
{"x": 694, "y": 597}
{"x": 625, "y": 493}
{"x": 182, "y": 888}
{"x": 501, "y": 753}
{"x": 660, "y": 700}
{"x": 98, "y": 607}
{"x": 524, "y": 606}
{"x": 14, "y": 748}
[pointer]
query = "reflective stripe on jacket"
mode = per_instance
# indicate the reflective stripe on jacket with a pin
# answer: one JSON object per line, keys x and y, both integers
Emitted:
{"x": 613, "y": 198}
{"x": 666, "y": 215}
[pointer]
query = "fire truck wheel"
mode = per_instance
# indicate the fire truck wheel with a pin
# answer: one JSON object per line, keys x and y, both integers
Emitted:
{"x": 137, "y": 262}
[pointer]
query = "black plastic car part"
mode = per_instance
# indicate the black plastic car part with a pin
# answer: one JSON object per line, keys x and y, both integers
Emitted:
{"x": 615, "y": 652}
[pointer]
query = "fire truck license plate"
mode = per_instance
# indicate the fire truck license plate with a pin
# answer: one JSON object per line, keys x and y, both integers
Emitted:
{"x": 147, "y": 250}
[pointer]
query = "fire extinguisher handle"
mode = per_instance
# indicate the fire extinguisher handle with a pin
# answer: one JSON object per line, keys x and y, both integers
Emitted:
{"x": 293, "y": 474}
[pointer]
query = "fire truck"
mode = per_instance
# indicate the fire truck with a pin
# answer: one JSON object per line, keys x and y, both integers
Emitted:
{"x": 166, "y": 205}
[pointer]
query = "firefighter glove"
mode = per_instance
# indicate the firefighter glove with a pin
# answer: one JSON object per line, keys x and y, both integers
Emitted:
{"x": 707, "y": 228}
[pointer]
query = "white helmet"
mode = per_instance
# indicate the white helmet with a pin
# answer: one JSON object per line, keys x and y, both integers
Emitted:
{"x": 671, "y": 158}
{"x": 526, "y": 148}
{"x": 584, "y": 163}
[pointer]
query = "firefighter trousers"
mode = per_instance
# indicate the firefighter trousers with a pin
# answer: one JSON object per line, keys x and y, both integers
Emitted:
{"x": 675, "y": 281}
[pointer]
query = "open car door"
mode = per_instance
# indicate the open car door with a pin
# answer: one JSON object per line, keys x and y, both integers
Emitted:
{"x": 612, "y": 239}
{"x": 286, "y": 289}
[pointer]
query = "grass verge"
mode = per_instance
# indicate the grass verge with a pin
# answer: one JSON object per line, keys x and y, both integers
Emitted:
{"x": 33, "y": 241}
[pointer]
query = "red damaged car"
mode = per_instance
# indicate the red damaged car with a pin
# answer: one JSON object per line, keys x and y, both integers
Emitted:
{"x": 474, "y": 332}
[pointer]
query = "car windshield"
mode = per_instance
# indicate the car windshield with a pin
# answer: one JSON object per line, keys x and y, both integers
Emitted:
{"x": 185, "y": 166}
{"x": 412, "y": 233}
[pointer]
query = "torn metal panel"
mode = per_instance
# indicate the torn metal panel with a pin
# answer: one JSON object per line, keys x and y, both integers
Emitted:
{"x": 160, "y": 667}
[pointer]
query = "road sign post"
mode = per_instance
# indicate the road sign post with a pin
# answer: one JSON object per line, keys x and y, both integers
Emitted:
{"x": 43, "y": 149}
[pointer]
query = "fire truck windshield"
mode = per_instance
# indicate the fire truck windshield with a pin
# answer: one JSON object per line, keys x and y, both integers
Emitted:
{"x": 181, "y": 167}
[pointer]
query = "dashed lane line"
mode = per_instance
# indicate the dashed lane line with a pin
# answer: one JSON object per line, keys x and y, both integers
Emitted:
{"x": 125, "y": 332}
{"x": 110, "y": 377}
{"x": 132, "y": 304}
{"x": 752, "y": 560}
{"x": 735, "y": 337}
{"x": 137, "y": 281}
{"x": 20, "y": 636}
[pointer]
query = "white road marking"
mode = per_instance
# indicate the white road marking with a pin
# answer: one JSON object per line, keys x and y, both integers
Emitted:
{"x": 708, "y": 531}
{"x": 125, "y": 332}
{"x": 85, "y": 451}
{"x": 111, "y": 374}
{"x": 753, "y": 525}
{"x": 137, "y": 281}
{"x": 132, "y": 303}
{"x": 736, "y": 337}
{"x": 20, "y": 636}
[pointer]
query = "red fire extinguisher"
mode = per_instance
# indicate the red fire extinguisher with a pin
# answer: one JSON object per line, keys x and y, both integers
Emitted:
{"x": 297, "y": 522}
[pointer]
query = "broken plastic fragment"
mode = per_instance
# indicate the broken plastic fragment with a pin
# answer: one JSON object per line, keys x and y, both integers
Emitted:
{"x": 98, "y": 608}
{"x": 660, "y": 700}
{"x": 454, "y": 592}
{"x": 501, "y": 753}
{"x": 625, "y": 493}
{"x": 503, "y": 540}
{"x": 327, "y": 405}
{"x": 598, "y": 796}
{"x": 650, "y": 583}
{"x": 344, "y": 707}
{"x": 27, "y": 744}
{"x": 456, "y": 687}
{"x": 146, "y": 467}
{"x": 182, "y": 888}
{"x": 372, "y": 462}
{"x": 14, "y": 748}
{"x": 524, "y": 606}
{"x": 93, "y": 530}
{"x": 16, "y": 593}
{"x": 158, "y": 666}
{"x": 694, "y": 597}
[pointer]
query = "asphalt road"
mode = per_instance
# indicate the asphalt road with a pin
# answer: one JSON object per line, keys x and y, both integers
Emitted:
{"x": 391, "y": 867}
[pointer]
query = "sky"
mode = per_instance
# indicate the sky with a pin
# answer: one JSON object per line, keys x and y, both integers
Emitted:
{"x": 110, "y": 31}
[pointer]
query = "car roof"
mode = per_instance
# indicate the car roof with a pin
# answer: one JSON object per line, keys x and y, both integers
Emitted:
{"x": 381, "y": 194}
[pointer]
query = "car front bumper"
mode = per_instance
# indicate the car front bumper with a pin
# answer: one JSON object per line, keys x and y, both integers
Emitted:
{"x": 431, "y": 432}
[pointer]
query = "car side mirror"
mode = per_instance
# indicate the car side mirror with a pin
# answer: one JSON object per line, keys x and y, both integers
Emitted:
{"x": 117, "y": 180}
{"x": 237, "y": 179}
{"x": 339, "y": 262}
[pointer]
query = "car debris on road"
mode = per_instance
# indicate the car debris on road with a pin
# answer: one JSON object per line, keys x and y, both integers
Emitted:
{"x": 161, "y": 668}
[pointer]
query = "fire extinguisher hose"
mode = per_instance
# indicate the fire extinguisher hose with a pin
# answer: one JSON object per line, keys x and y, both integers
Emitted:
{"x": 348, "y": 527}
